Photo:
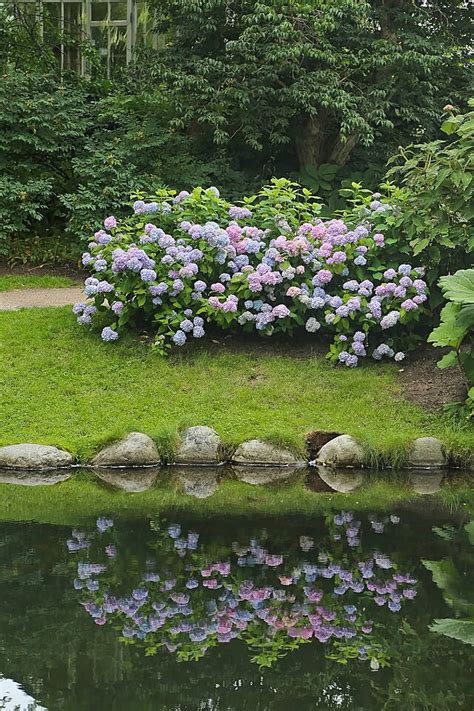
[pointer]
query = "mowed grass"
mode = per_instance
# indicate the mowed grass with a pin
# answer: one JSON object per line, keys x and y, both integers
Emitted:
{"x": 8, "y": 282}
{"x": 60, "y": 385}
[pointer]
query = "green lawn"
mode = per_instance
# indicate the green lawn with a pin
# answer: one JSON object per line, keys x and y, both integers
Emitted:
{"x": 29, "y": 281}
{"x": 59, "y": 384}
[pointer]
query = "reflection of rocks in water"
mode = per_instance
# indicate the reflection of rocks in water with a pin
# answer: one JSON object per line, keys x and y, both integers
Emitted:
{"x": 316, "y": 484}
{"x": 426, "y": 483}
{"x": 199, "y": 482}
{"x": 130, "y": 480}
{"x": 263, "y": 475}
{"x": 342, "y": 480}
{"x": 32, "y": 478}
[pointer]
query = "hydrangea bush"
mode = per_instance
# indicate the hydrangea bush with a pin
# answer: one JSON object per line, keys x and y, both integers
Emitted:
{"x": 185, "y": 261}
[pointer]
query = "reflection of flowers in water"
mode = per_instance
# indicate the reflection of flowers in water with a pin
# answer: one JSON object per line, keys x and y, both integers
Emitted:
{"x": 274, "y": 604}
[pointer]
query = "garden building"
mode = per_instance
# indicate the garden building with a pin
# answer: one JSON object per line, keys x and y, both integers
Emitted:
{"x": 114, "y": 28}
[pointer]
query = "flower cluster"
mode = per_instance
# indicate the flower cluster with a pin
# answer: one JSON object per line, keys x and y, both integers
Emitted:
{"x": 254, "y": 594}
{"x": 253, "y": 269}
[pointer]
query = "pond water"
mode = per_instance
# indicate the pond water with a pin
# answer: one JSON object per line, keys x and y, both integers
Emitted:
{"x": 332, "y": 612}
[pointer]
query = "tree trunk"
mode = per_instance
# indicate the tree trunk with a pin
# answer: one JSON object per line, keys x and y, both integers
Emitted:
{"x": 310, "y": 141}
{"x": 342, "y": 150}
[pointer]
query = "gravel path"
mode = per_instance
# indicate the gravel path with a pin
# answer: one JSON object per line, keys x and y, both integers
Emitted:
{"x": 33, "y": 298}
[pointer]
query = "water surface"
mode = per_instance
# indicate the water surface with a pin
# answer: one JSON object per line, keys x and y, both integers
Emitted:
{"x": 332, "y": 612}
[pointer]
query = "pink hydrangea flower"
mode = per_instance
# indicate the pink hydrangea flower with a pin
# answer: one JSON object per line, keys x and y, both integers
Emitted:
{"x": 218, "y": 288}
{"x": 280, "y": 311}
{"x": 293, "y": 291}
{"x": 110, "y": 222}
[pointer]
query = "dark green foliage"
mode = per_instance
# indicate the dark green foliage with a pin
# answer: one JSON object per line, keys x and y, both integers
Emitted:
{"x": 73, "y": 151}
{"x": 240, "y": 91}
{"x": 42, "y": 128}
{"x": 437, "y": 179}
{"x": 312, "y": 79}
{"x": 130, "y": 148}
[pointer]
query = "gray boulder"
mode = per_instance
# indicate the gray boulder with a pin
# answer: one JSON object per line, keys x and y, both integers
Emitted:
{"x": 33, "y": 478}
{"x": 134, "y": 450}
{"x": 257, "y": 452}
{"x": 199, "y": 445}
{"x": 199, "y": 482}
{"x": 342, "y": 451}
{"x": 263, "y": 475}
{"x": 33, "y": 456}
{"x": 427, "y": 453}
{"x": 132, "y": 480}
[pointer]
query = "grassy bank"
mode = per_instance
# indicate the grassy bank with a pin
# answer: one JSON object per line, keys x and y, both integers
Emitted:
{"x": 9, "y": 282}
{"x": 61, "y": 385}
{"x": 81, "y": 498}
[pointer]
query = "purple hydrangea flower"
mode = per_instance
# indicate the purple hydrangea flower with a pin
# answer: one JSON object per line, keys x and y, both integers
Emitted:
{"x": 148, "y": 275}
{"x": 108, "y": 334}
{"x": 390, "y": 320}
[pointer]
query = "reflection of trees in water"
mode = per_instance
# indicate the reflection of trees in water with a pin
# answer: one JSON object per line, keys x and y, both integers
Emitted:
{"x": 64, "y": 661}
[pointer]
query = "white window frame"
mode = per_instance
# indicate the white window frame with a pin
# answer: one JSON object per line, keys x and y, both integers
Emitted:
{"x": 130, "y": 22}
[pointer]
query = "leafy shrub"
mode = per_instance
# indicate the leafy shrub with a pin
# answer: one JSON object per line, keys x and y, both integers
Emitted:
{"x": 42, "y": 127}
{"x": 70, "y": 154}
{"x": 129, "y": 147}
{"x": 437, "y": 196}
{"x": 456, "y": 329}
{"x": 22, "y": 203}
{"x": 270, "y": 265}
{"x": 428, "y": 215}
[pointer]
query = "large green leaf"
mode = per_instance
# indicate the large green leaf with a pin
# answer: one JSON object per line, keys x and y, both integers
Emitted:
{"x": 459, "y": 287}
{"x": 465, "y": 318}
{"x": 463, "y": 630}
{"x": 449, "y": 360}
{"x": 448, "y": 333}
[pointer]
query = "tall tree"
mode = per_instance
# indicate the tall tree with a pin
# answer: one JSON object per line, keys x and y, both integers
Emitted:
{"x": 321, "y": 75}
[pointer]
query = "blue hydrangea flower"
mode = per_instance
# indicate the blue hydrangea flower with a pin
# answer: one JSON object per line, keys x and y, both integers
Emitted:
{"x": 108, "y": 334}
{"x": 179, "y": 338}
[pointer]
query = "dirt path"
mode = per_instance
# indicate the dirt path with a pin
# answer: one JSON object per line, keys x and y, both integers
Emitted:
{"x": 33, "y": 298}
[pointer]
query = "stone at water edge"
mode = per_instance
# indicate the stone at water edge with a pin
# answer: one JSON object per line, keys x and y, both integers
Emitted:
{"x": 257, "y": 452}
{"x": 426, "y": 453}
{"x": 316, "y": 439}
{"x": 33, "y": 456}
{"x": 134, "y": 450}
{"x": 342, "y": 451}
{"x": 132, "y": 481}
{"x": 258, "y": 475}
{"x": 199, "y": 445}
